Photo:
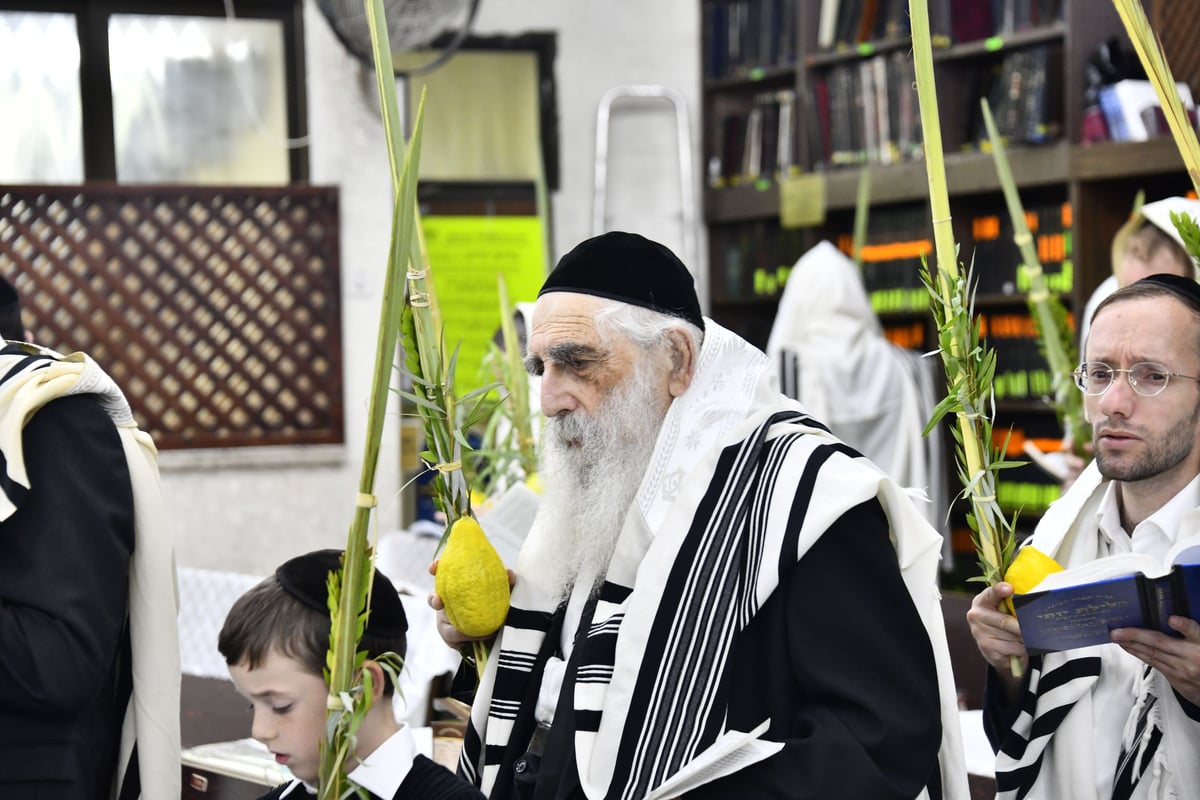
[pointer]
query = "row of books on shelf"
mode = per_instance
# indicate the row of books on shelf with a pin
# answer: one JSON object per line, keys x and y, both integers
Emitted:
{"x": 844, "y": 24}
{"x": 1024, "y": 91}
{"x": 865, "y": 112}
{"x": 757, "y": 143}
{"x": 744, "y": 37}
{"x": 971, "y": 20}
{"x": 757, "y": 261}
{"x": 757, "y": 255}
{"x": 910, "y": 335}
{"x": 996, "y": 258}
{"x": 1021, "y": 369}
{"x": 1027, "y": 489}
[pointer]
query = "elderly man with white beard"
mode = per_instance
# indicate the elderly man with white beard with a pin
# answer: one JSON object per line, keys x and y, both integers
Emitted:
{"x": 718, "y": 598}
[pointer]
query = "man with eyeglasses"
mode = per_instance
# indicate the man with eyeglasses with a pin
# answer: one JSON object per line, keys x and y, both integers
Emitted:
{"x": 1119, "y": 720}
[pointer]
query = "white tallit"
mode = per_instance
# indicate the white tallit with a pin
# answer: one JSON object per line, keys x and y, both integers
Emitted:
{"x": 1047, "y": 755}
{"x": 732, "y": 398}
{"x": 829, "y": 347}
{"x": 152, "y": 717}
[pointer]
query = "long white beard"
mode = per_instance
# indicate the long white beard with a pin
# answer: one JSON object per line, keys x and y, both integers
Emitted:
{"x": 591, "y": 468}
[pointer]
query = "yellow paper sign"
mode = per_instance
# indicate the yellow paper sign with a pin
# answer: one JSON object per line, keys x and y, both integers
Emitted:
{"x": 466, "y": 254}
{"x": 802, "y": 200}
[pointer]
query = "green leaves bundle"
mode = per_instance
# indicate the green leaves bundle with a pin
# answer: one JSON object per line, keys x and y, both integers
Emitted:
{"x": 970, "y": 367}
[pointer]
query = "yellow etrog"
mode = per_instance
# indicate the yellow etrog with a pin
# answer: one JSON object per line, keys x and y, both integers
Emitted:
{"x": 472, "y": 581}
{"x": 1027, "y": 570}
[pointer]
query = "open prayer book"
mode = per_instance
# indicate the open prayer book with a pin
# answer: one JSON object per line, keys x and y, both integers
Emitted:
{"x": 1079, "y": 606}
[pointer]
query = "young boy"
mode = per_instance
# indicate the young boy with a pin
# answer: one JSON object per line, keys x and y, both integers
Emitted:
{"x": 275, "y": 639}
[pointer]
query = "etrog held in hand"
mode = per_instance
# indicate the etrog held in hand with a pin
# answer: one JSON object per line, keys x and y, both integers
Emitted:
{"x": 472, "y": 581}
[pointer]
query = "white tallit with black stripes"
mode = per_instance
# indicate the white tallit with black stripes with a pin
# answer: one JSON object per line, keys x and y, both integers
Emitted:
{"x": 150, "y": 739}
{"x": 1048, "y": 753}
{"x": 657, "y": 613}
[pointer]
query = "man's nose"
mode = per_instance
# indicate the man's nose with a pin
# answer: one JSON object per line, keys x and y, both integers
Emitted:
{"x": 1119, "y": 397}
{"x": 556, "y": 395}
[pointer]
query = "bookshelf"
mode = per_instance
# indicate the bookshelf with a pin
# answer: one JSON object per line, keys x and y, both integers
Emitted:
{"x": 1080, "y": 193}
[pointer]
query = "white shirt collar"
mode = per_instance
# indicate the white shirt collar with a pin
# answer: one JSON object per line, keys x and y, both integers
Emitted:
{"x": 382, "y": 772}
{"x": 1154, "y": 535}
{"x": 295, "y": 784}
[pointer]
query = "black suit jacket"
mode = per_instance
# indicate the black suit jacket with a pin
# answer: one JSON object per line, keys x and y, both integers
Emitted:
{"x": 64, "y": 646}
{"x": 426, "y": 780}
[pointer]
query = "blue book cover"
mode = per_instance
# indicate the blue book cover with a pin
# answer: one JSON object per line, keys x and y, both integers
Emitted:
{"x": 1082, "y": 615}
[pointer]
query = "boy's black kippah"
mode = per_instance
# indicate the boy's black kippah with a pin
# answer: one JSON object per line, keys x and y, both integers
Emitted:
{"x": 305, "y": 578}
{"x": 1187, "y": 289}
{"x": 629, "y": 268}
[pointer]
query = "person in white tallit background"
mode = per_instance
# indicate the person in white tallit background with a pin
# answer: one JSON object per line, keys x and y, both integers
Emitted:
{"x": 718, "y": 597}
{"x": 832, "y": 356}
{"x": 1117, "y": 720}
{"x": 89, "y": 651}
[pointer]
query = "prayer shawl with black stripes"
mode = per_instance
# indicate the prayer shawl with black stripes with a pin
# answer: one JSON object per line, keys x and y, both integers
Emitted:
{"x": 1047, "y": 754}
{"x": 149, "y": 765}
{"x": 674, "y": 611}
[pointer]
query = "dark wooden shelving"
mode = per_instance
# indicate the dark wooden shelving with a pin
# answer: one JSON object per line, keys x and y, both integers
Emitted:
{"x": 759, "y": 77}
{"x": 1094, "y": 185}
{"x": 1002, "y": 43}
{"x": 1105, "y": 161}
{"x": 841, "y": 56}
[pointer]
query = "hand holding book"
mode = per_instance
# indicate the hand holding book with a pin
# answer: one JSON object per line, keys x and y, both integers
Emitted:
{"x": 1078, "y": 607}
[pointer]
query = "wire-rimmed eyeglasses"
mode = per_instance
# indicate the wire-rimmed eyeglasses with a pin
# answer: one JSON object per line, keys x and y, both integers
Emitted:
{"x": 1145, "y": 377}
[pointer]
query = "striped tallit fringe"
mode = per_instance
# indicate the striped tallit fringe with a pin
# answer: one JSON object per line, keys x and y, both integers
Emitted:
{"x": 1051, "y": 695}
{"x": 518, "y": 673}
{"x": 1140, "y": 742}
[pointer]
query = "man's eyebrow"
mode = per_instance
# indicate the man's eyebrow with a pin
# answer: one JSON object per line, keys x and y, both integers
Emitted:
{"x": 573, "y": 353}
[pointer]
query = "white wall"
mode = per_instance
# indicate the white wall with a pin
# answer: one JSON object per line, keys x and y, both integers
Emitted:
{"x": 249, "y": 511}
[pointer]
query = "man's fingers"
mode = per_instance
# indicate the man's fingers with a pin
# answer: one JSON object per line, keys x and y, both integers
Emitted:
{"x": 1188, "y": 627}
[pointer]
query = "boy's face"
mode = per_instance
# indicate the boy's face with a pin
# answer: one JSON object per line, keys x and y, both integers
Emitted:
{"x": 288, "y": 703}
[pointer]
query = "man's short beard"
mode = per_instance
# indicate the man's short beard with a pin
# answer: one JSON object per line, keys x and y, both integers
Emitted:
{"x": 591, "y": 468}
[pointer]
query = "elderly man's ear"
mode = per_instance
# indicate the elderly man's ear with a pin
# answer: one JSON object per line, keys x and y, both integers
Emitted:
{"x": 683, "y": 362}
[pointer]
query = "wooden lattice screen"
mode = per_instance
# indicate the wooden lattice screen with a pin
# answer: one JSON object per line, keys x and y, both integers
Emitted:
{"x": 216, "y": 310}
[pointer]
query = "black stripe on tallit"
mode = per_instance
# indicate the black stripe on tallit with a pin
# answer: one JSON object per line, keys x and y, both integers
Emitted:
{"x": 708, "y": 587}
{"x": 1021, "y": 778}
{"x": 718, "y": 513}
{"x": 520, "y": 686}
{"x": 131, "y": 783}
{"x": 803, "y": 498}
{"x": 1014, "y": 745}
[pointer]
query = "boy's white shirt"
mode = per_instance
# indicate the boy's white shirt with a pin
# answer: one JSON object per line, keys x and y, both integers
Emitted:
{"x": 382, "y": 772}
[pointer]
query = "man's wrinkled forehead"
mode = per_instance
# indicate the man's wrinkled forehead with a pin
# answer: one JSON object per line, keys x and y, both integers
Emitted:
{"x": 566, "y": 313}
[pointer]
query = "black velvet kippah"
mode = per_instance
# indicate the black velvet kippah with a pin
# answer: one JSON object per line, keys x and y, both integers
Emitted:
{"x": 1187, "y": 289}
{"x": 629, "y": 268}
{"x": 304, "y": 577}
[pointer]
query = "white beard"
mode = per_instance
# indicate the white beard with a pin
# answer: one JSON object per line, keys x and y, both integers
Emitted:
{"x": 591, "y": 468}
